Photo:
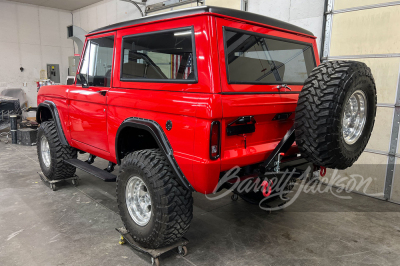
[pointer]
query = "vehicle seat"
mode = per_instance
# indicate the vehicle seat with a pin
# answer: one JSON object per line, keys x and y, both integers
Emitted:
{"x": 132, "y": 69}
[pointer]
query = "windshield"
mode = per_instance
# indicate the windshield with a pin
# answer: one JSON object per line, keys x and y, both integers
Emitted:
{"x": 256, "y": 59}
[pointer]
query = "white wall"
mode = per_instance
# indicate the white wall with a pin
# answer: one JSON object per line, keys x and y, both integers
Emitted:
{"x": 108, "y": 12}
{"x": 307, "y": 14}
{"x": 30, "y": 37}
{"x": 105, "y": 13}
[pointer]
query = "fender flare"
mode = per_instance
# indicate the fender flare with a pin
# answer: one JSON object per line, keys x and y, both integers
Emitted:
{"x": 54, "y": 112}
{"x": 158, "y": 134}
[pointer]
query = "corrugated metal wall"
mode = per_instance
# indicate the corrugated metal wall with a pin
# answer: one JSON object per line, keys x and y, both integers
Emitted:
{"x": 367, "y": 31}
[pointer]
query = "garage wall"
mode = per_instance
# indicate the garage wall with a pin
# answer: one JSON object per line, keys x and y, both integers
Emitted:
{"x": 104, "y": 13}
{"x": 366, "y": 31}
{"x": 303, "y": 13}
{"x": 108, "y": 12}
{"x": 31, "y": 37}
{"x": 307, "y": 14}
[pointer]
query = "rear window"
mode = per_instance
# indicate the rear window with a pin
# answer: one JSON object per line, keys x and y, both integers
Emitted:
{"x": 260, "y": 59}
{"x": 166, "y": 56}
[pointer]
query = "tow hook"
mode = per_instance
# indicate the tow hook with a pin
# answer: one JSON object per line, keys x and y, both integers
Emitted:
{"x": 277, "y": 163}
{"x": 319, "y": 170}
{"x": 267, "y": 188}
{"x": 322, "y": 172}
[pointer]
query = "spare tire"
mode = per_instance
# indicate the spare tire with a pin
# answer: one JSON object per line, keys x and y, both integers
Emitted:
{"x": 335, "y": 113}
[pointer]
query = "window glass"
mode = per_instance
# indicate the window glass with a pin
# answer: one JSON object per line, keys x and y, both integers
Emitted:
{"x": 97, "y": 62}
{"x": 257, "y": 59}
{"x": 159, "y": 56}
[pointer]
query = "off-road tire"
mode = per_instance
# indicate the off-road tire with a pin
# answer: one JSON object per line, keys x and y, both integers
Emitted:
{"x": 58, "y": 153}
{"x": 318, "y": 120}
{"x": 172, "y": 204}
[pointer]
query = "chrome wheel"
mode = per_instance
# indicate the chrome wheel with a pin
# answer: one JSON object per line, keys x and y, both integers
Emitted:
{"x": 354, "y": 117}
{"x": 138, "y": 200}
{"x": 45, "y": 150}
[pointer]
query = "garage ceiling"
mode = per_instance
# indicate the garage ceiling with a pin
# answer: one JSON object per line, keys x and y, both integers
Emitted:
{"x": 60, "y": 4}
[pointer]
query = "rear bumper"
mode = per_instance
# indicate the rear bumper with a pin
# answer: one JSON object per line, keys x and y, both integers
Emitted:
{"x": 206, "y": 173}
{"x": 251, "y": 155}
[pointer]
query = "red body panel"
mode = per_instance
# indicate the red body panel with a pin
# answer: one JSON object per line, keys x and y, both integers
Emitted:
{"x": 90, "y": 121}
{"x": 88, "y": 117}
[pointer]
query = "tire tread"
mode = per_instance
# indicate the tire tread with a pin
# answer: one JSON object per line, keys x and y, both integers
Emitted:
{"x": 60, "y": 170}
{"x": 175, "y": 211}
{"x": 317, "y": 122}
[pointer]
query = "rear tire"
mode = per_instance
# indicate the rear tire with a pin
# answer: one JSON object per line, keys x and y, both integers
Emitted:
{"x": 171, "y": 205}
{"x": 320, "y": 123}
{"x": 51, "y": 153}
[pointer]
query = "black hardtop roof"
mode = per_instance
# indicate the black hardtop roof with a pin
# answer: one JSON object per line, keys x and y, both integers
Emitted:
{"x": 210, "y": 9}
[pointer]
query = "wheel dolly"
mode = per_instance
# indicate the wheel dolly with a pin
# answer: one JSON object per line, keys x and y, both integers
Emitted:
{"x": 52, "y": 183}
{"x": 126, "y": 238}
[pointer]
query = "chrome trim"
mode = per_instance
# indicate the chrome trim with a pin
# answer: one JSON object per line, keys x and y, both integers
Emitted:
{"x": 45, "y": 151}
{"x": 354, "y": 117}
{"x": 138, "y": 201}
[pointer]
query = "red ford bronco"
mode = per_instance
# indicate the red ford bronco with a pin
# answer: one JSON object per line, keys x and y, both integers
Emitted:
{"x": 180, "y": 98}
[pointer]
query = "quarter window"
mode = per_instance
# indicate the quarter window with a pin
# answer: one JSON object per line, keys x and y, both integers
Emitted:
{"x": 164, "y": 56}
{"x": 256, "y": 59}
{"x": 97, "y": 62}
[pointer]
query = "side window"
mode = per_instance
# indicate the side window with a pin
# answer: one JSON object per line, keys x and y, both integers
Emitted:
{"x": 164, "y": 56}
{"x": 97, "y": 62}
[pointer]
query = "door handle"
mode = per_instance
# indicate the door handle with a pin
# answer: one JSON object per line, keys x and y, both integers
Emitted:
{"x": 103, "y": 93}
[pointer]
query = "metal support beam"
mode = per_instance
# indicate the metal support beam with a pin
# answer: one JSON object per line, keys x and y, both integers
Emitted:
{"x": 328, "y": 29}
{"x": 135, "y": 3}
{"x": 245, "y": 5}
{"x": 394, "y": 141}
{"x": 170, "y": 4}
{"x": 282, "y": 147}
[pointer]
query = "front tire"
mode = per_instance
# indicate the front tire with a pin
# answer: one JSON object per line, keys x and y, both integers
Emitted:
{"x": 155, "y": 209}
{"x": 51, "y": 153}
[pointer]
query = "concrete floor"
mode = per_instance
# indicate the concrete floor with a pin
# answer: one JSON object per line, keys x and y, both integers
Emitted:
{"x": 76, "y": 226}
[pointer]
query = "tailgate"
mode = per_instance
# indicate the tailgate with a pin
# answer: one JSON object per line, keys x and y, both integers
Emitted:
{"x": 272, "y": 116}
{"x": 262, "y": 75}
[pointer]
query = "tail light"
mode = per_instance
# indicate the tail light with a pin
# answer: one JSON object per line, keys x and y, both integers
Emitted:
{"x": 215, "y": 146}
